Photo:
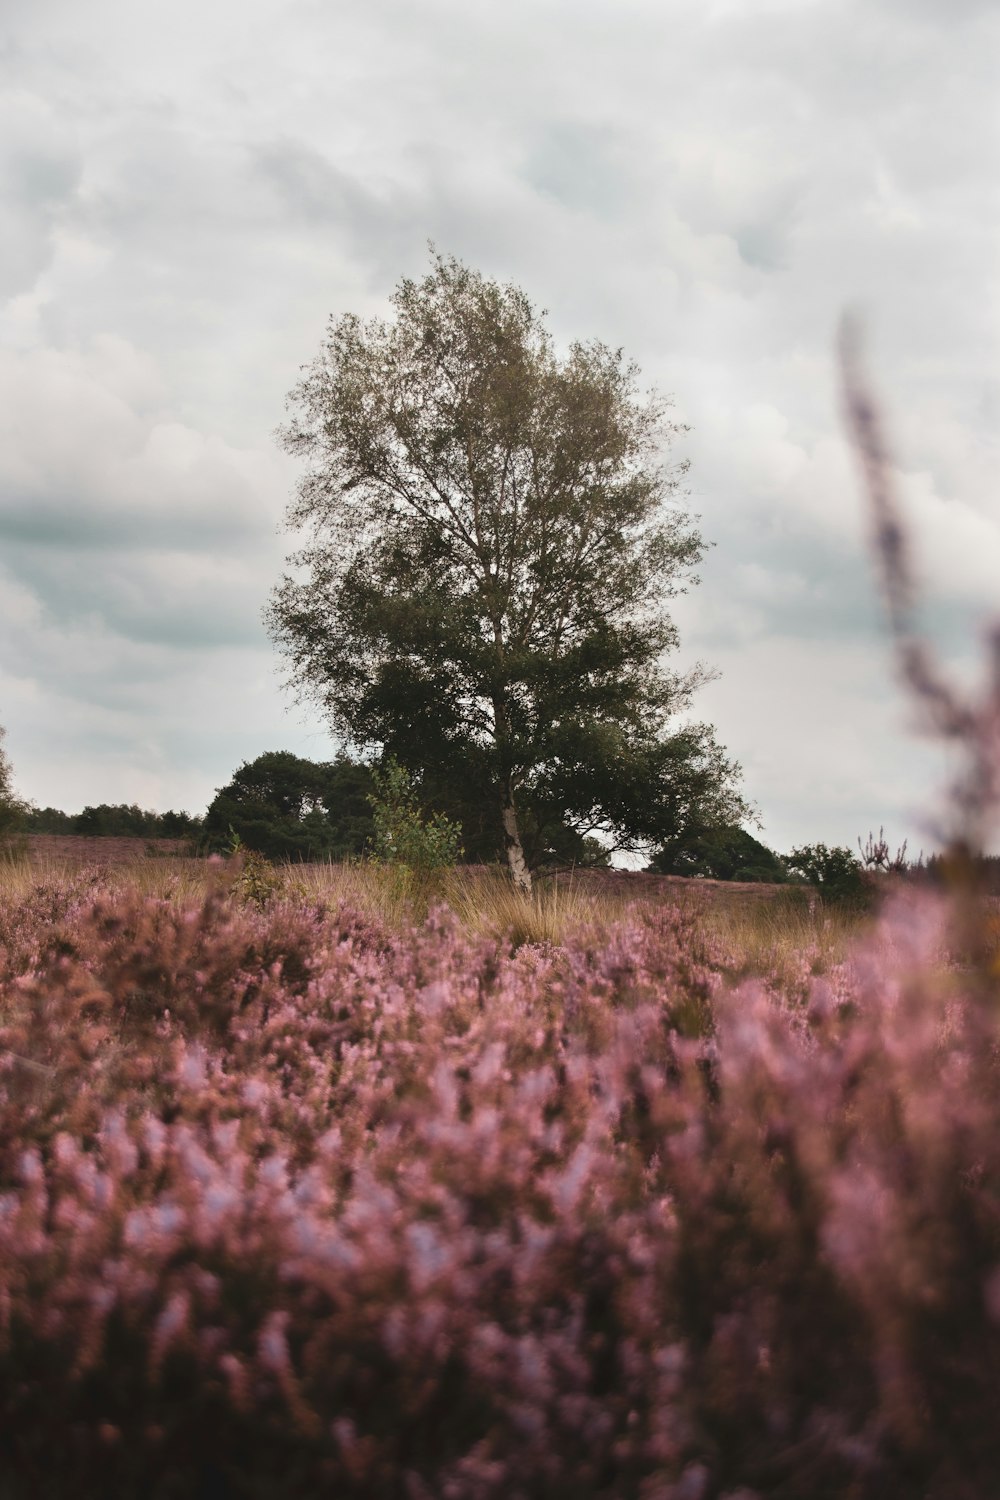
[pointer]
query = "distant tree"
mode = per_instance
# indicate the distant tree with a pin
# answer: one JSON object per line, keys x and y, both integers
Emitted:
{"x": 724, "y": 853}
{"x": 113, "y": 820}
{"x": 286, "y": 807}
{"x": 493, "y": 541}
{"x": 48, "y": 820}
{"x": 178, "y": 825}
{"x": 945, "y": 870}
{"x": 838, "y": 875}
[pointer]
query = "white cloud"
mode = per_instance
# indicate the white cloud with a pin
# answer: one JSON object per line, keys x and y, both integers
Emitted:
{"x": 39, "y": 174}
{"x": 91, "y": 457}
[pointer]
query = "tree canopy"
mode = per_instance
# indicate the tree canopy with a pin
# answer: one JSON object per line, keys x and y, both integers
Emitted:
{"x": 492, "y": 539}
{"x": 113, "y": 820}
{"x": 286, "y": 807}
{"x": 726, "y": 853}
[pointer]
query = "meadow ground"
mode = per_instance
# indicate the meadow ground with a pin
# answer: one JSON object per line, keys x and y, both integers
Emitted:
{"x": 757, "y": 922}
{"x": 316, "y": 1182}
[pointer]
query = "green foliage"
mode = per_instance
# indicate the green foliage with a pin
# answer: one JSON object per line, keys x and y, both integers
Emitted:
{"x": 837, "y": 873}
{"x": 721, "y": 853}
{"x": 9, "y": 808}
{"x": 113, "y": 820}
{"x": 403, "y": 834}
{"x": 13, "y": 809}
{"x": 492, "y": 539}
{"x": 48, "y": 820}
{"x": 257, "y": 881}
{"x": 548, "y": 839}
{"x": 285, "y": 807}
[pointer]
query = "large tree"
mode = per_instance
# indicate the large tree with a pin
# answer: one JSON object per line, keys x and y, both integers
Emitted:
{"x": 286, "y": 807}
{"x": 492, "y": 540}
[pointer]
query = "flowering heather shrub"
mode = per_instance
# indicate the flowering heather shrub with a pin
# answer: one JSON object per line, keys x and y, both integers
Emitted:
{"x": 291, "y": 1206}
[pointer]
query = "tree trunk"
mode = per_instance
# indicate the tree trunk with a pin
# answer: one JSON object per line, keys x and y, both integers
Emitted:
{"x": 520, "y": 874}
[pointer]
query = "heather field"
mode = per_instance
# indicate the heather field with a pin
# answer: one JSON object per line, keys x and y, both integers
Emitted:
{"x": 332, "y": 1187}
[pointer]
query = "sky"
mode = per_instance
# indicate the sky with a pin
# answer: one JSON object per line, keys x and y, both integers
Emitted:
{"x": 190, "y": 191}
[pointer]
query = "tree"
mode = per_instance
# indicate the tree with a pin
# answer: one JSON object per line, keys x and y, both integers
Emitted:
{"x": 120, "y": 820}
{"x": 492, "y": 542}
{"x": 48, "y": 820}
{"x": 113, "y": 820}
{"x": 727, "y": 853}
{"x": 286, "y": 807}
{"x": 835, "y": 871}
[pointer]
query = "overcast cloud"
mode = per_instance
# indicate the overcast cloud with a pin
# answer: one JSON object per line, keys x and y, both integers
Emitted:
{"x": 189, "y": 191}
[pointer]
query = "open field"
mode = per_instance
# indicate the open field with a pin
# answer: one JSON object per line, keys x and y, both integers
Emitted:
{"x": 748, "y": 928}
{"x": 47, "y": 850}
{"x": 335, "y": 1185}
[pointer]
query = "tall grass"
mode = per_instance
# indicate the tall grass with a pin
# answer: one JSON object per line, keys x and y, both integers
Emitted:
{"x": 746, "y": 932}
{"x": 483, "y": 899}
{"x": 779, "y": 936}
{"x": 170, "y": 879}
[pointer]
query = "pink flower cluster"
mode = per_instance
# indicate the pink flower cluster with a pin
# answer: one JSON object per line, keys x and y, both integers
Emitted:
{"x": 314, "y": 1209}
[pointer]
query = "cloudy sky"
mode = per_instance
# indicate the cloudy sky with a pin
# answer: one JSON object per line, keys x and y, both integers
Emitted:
{"x": 190, "y": 190}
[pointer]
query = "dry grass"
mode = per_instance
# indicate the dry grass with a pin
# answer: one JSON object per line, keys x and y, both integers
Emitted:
{"x": 778, "y": 937}
{"x": 173, "y": 878}
{"x": 483, "y": 900}
{"x": 745, "y": 932}
{"x": 488, "y": 903}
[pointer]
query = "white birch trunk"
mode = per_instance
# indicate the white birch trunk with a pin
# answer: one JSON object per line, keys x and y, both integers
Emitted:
{"x": 520, "y": 874}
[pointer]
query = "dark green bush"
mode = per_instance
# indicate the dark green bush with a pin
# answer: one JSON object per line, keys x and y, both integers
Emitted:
{"x": 288, "y": 808}
{"x": 723, "y": 853}
{"x": 839, "y": 877}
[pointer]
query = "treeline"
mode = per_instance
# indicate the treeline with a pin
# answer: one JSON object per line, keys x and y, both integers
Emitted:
{"x": 112, "y": 820}
{"x": 940, "y": 870}
{"x": 289, "y": 808}
{"x": 285, "y": 807}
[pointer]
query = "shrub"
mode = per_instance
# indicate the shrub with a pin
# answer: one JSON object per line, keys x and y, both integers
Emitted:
{"x": 403, "y": 834}
{"x": 255, "y": 879}
{"x": 835, "y": 872}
